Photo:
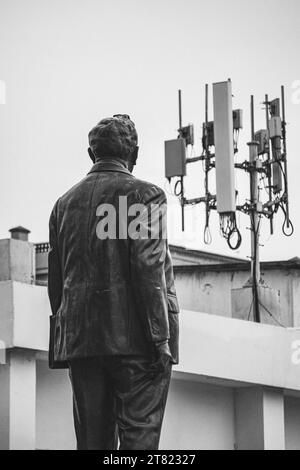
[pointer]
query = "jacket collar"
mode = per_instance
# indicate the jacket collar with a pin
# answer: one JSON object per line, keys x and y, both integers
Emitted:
{"x": 109, "y": 166}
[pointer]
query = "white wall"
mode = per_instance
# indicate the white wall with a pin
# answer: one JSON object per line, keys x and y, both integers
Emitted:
{"x": 198, "y": 416}
{"x": 210, "y": 291}
{"x": 54, "y": 419}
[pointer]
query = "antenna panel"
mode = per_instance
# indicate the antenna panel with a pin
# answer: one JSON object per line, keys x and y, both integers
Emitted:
{"x": 175, "y": 158}
{"x": 275, "y": 127}
{"x": 262, "y": 137}
{"x": 224, "y": 148}
{"x": 238, "y": 119}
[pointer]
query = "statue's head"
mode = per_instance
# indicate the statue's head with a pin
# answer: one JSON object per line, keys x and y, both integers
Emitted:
{"x": 114, "y": 137}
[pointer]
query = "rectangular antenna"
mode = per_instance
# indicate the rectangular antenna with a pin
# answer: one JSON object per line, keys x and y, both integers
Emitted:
{"x": 175, "y": 158}
{"x": 275, "y": 128}
{"x": 224, "y": 148}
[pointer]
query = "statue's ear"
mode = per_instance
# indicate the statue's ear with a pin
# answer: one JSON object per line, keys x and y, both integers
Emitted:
{"x": 92, "y": 156}
{"x": 133, "y": 159}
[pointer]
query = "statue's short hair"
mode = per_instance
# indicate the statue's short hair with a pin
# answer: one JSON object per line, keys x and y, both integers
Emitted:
{"x": 114, "y": 137}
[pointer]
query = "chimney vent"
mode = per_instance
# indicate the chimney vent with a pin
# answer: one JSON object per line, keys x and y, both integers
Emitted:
{"x": 19, "y": 233}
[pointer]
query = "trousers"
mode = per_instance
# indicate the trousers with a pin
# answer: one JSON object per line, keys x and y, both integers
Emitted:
{"x": 118, "y": 398}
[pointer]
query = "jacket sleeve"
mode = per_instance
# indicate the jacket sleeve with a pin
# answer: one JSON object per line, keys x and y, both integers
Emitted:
{"x": 54, "y": 268}
{"x": 173, "y": 309}
{"x": 173, "y": 305}
{"x": 147, "y": 259}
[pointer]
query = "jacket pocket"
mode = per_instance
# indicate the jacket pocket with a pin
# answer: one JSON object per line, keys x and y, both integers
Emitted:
{"x": 173, "y": 306}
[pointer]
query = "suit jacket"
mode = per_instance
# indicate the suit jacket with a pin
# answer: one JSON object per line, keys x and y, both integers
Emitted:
{"x": 109, "y": 296}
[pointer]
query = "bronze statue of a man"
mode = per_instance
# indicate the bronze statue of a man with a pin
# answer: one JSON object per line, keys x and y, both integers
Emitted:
{"x": 114, "y": 320}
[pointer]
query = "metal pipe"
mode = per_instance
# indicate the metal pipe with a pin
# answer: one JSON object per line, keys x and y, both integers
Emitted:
{"x": 252, "y": 119}
{"x": 254, "y": 197}
{"x": 181, "y": 178}
{"x": 180, "y": 109}
{"x": 206, "y": 103}
{"x": 207, "y": 166}
{"x": 182, "y": 204}
{"x": 286, "y": 189}
{"x": 270, "y": 170}
{"x": 195, "y": 159}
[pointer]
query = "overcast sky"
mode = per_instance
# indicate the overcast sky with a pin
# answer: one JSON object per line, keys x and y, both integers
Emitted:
{"x": 68, "y": 63}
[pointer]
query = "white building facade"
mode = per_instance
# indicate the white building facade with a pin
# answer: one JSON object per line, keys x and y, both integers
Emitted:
{"x": 237, "y": 385}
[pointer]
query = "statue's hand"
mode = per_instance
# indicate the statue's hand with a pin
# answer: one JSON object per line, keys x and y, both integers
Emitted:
{"x": 162, "y": 357}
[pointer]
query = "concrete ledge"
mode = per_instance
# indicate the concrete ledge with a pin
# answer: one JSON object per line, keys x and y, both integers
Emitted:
{"x": 17, "y": 260}
{"x": 24, "y": 313}
{"x": 237, "y": 351}
{"x": 212, "y": 348}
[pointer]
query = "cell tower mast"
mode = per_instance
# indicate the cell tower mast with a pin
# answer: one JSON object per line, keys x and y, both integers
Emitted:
{"x": 267, "y": 162}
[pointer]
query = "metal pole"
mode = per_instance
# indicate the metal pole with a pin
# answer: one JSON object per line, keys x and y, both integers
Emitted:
{"x": 252, "y": 119}
{"x": 182, "y": 204}
{"x": 180, "y": 111}
{"x": 254, "y": 197}
{"x": 206, "y": 103}
{"x": 254, "y": 200}
{"x": 286, "y": 189}
{"x": 207, "y": 162}
{"x": 269, "y": 154}
{"x": 181, "y": 178}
